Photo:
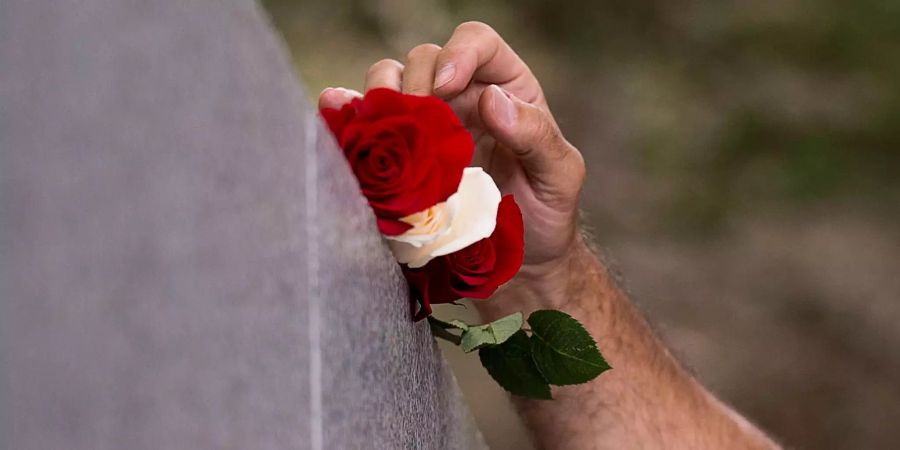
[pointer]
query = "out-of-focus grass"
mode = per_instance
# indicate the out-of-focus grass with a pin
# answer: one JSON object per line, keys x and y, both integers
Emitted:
{"x": 743, "y": 164}
{"x": 773, "y": 101}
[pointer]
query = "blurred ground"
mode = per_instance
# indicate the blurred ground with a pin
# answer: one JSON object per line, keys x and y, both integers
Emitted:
{"x": 744, "y": 177}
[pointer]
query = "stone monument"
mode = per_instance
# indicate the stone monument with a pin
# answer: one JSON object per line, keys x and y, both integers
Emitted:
{"x": 185, "y": 259}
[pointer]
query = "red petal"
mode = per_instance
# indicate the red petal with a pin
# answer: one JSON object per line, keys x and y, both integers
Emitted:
{"x": 508, "y": 240}
{"x": 426, "y": 171}
{"x": 389, "y": 227}
{"x": 428, "y": 285}
{"x": 382, "y": 102}
{"x": 337, "y": 119}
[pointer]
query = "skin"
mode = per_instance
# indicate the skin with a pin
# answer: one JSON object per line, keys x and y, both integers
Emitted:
{"x": 648, "y": 400}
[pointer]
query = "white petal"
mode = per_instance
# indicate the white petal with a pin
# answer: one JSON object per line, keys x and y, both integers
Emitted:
{"x": 474, "y": 219}
{"x": 430, "y": 224}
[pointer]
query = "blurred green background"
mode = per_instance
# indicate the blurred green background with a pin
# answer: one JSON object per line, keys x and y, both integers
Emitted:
{"x": 744, "y": 177}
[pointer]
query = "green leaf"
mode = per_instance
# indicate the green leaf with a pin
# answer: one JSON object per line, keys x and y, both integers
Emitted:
{"x": 445, "y": 325}
{"x": 492, "y": 333}
{"x": 511, "y": 365}
{"x": 563, "y": 350}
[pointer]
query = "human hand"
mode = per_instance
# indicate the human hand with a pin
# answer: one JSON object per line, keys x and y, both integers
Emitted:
{"x": 518, "y": 142}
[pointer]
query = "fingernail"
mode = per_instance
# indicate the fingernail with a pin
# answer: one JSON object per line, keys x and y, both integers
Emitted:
{"x": 503, "y": 106}
{"x": 444, "y": 75}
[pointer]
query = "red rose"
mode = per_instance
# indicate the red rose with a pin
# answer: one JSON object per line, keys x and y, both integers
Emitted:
{"x": 475, "y": 271}
{"x": 408, "y": 152}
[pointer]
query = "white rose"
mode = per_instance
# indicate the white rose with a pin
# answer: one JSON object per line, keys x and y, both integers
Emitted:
{"x": 466, "y": 217}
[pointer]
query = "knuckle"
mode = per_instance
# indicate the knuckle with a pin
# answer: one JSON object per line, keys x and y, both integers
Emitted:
{"x": 572, "y": 162}
{"x": 475, "y": 27}
{"x": 449, "y": 52}
{"x": 555, "y": 144}
{"x": 422, "y": 50}
{"x": 548, "y": 133}
{"x": 579, "y": 169}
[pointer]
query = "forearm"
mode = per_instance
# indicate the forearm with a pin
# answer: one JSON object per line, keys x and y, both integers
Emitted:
{"x": 646, "y": 401}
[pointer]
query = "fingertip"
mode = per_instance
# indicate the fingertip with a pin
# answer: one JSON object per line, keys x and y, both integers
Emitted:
{"x": 518, "y": 124}
{"x": 533, "y": 138}
{"x": 503, "y": 107}
{"x": 325, "y": 98}
{"x": 444, "y": 74}
{"x": 498, "y": 110}
{"x": 335, "y": 98}
{"x": 453, "y": 71}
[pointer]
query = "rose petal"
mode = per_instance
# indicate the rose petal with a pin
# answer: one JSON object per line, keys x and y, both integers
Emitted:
{"x": 390, "y": 227}
{"x": 429, "y": 225}
{"x": 474, "y": 220}
{"x": 509, "y": 247}
{"x": 432, "y": 149}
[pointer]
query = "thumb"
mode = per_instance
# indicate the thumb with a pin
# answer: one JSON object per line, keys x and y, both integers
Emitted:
{"x": 551, "y": 163}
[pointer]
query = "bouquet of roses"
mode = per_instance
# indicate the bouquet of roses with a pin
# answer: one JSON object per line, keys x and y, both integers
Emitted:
{"x": 455, "y": 236}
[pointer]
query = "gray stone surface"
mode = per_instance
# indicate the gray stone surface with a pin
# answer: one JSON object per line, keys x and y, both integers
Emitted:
{"x": 186, "y": 260}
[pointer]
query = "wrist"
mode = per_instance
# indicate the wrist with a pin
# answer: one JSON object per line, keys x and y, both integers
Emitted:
{"x": 547, "y": 278}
